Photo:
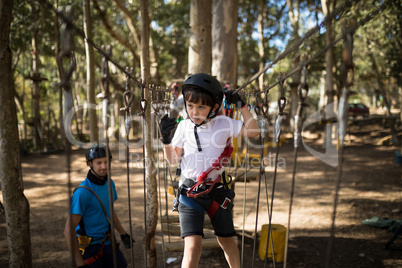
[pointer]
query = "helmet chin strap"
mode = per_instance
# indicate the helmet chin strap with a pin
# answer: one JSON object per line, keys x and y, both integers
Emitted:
{"x": 197, "y": 138}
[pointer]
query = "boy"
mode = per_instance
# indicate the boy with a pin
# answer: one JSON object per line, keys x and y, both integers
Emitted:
{"x": 202, "y": 144}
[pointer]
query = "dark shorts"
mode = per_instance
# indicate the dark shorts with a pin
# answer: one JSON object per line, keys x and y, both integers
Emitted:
{"x": 107, "y": 259}
{"x": 192, "y": 213}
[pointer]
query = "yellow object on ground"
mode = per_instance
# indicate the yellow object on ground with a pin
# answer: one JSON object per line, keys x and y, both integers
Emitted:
{"x": 278, "y": 238}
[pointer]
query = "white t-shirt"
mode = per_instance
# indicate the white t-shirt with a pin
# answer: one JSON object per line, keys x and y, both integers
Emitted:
{"x": 213, "y": 137}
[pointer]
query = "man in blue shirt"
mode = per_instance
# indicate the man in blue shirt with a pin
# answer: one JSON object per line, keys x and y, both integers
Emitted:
{"x": 89, "y": 216}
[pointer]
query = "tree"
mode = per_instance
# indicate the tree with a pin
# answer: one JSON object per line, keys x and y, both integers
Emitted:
{"x": 151, "y": 217}
{"x": 294, "y": 15}
{"x": 15, "y": 203}
{"x": 93, "y": 121}
{"x": 199, "y": 50}
{"x": 224, "y": 40}
{"x": 36, "y": 78}
{"x": 328, "y": 6}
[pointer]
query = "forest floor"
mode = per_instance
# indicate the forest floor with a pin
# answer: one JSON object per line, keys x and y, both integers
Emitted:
{"x": 370, "y": 185}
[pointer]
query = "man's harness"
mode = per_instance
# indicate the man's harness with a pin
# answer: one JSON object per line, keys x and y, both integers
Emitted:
{"x": 85, "y": 241}
{"x": 205, "y": 185}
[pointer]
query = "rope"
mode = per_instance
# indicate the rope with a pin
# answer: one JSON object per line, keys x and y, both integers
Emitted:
{"x": 143, "y": 105}
{"x": 104, "y": 96}
{"x": 65, "y": 85}
{"x": 281, "y": 114}
{"x": 159, "y": 186}
{"x": 128, "y": 97}
{"x": 261, "y": 170}
{"x": 303, "y": 90}
{"x": 244, "y": 193}
{"x": 347, "y": 74}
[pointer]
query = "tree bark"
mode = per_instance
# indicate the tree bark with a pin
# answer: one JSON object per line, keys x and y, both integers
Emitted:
{"x": 151, "y": 217}
{"x": 328, "y": 6}
{"x": 381, "y": 87}
{"x": 199, "y": 51}
{"x": 60, "y": 75}
{"x": 294, "y": 21}
{"x": 93, "y": 120}
{"x": 16, "y": 205}
{"x": 224, "y": 40}
{"x": 36, "y": 78}
{"x": 261, "y": 26}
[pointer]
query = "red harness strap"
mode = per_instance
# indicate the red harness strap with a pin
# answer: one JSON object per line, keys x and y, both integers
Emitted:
{"x": 215, "y": 206}
{"x": 95, "y": 257}
{"x": 218, "y": 164}
{"x": 98, "y": 254}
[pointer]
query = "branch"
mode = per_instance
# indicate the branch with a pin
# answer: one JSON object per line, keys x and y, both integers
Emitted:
{"x": 130, "y": 23}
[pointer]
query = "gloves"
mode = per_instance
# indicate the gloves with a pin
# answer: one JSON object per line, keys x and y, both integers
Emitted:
{"x": 234, "y": 98}
{"x": 127, "y": 240}
{"x": 167, "y": 126}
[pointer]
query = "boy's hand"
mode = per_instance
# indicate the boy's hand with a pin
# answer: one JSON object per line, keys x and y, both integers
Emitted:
{"x": 167, "y": 126}
{"x": 234, "y": 98}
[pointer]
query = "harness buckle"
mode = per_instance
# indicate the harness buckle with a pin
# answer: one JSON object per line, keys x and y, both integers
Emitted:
{"x": 225, "y": 203}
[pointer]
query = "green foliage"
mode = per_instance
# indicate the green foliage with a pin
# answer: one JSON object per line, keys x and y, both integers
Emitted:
{"x": 170, "y": 34}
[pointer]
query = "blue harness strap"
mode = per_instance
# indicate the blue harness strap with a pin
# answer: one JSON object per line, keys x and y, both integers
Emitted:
{"x": 191, "y": 203}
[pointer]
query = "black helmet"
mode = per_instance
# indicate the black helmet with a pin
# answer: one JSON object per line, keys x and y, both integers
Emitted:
{"x": 207, "y": 82}
{"x": 96, "y": 151}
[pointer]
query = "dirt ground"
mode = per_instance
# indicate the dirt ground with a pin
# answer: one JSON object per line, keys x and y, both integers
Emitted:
{"x": 370, "y": 185}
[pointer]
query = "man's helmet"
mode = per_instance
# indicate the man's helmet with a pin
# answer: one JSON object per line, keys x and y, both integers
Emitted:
{"x": 207, "y": 82}
{"x": 96, "y": 151}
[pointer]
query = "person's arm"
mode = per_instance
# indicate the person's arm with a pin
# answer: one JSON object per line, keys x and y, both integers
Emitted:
{"x": 72, "y": 221}
{"x": 250, "y": 127}
{"x": 117, "y": 224}
{"x": 125, "y": 238}
{"x": 172, "y": 154}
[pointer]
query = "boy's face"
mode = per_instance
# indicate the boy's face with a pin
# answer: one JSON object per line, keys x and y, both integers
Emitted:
{"x": 198, "y": 112}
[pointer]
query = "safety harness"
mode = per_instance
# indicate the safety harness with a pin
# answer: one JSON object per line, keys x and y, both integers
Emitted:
{"x": 205, "y": 185}
{"x": 85, "y": 241}
{"x": 217, "y": 165}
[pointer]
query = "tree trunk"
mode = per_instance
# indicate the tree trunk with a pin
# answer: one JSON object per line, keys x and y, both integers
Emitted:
{"x": 151, "y": 217}
{"x": 328, "y": 6}
{"x": 154, "y": 67}
{"x": 224, "y": 36}
{"x": 381, "y": 87}
{"x": 261, "y": 26}
{"x": 16, "y": 205}
{"x": 59, "y": 73}
{"x": 93, "y": 120}
{"x": 199, "y": 51}
{"x": 294, "y": 21}
{"x": 35, "y": 76}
